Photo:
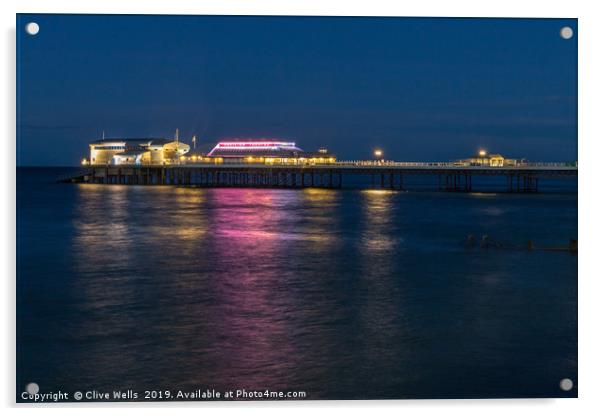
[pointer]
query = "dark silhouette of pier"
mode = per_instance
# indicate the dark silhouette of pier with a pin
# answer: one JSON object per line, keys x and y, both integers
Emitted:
{"x": 386, "y": 175}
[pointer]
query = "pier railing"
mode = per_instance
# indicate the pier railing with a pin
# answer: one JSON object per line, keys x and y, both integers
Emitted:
{"x": 452, "y": 164}
{"x": 358, "y": 164}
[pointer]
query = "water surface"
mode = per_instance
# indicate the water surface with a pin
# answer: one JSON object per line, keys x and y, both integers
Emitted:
{"x": 343, "y": 294}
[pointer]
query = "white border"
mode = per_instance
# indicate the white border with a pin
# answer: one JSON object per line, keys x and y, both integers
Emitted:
{"x": 590, "y": 137}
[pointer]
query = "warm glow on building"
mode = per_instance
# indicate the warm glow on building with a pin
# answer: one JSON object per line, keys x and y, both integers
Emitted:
{"x": 269, "y": 152}
{"x": 235, "y": 148}
{"x": 483, "y": 158}
{"x": 152, "y": 152}
{"x": 137, "y": 151}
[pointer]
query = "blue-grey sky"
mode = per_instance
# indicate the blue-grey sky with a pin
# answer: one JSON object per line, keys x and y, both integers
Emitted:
{"x": 419, "y": 88}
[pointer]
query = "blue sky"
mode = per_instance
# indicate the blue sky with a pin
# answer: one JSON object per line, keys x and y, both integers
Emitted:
{"x": 420, "y": 88}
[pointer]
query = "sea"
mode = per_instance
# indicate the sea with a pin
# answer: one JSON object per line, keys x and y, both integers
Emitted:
{"x": 353, "y": 293}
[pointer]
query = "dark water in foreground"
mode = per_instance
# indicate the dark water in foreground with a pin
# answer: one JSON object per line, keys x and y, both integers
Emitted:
{"x": 341, "y": 294}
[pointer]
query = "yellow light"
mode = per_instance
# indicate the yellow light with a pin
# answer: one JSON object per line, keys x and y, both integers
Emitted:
{"x": 378, "y": 153}
{"x": 84, "y": 162}
{"x": 482, "y": 152}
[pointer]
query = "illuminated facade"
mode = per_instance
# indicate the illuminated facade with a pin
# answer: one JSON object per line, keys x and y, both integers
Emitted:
{"x": 266, "y": 151}
{"x": 161, "y": 151}
{"x": 485, "y": 159}
{"x": 136, "y": 152}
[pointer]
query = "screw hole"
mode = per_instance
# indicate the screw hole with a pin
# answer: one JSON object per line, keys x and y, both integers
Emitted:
{"x": 32, "y": 388}
{"x": 32, "y": 28}
{"x": 566, "y": 32}
{"x": 566, "y": 384}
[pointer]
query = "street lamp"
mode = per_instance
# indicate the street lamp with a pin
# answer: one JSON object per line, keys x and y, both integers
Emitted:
{"x": 378, "y": 154}
{"x": 482, "y": 152}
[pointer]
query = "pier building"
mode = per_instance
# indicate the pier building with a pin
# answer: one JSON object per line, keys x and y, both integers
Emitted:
{"x": 483, "y": 158}
{"x": 160, "y": 151}
{"x": 269, "y": 152}
{"x": 147, "y": 151}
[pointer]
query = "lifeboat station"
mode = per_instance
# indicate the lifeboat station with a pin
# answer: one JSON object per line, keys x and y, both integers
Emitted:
{"x": 136, "y": 152}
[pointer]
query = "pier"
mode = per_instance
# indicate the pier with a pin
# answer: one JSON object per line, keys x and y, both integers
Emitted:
{"x": 384, "y": 175}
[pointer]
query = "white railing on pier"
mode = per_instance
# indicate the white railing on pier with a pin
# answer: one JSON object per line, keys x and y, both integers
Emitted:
{"x": 452, "y": 164}
{"x": 370, "y": 164}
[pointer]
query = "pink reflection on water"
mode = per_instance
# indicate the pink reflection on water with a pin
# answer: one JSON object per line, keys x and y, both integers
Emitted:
{"x": 252, "y": 235}
{"x": 204, "y": 276}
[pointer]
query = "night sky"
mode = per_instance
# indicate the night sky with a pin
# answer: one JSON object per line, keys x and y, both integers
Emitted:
{"x": 421, "y": 89}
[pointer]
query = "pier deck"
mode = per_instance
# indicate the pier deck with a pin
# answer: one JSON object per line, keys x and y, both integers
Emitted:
{"x": 450, "y": 177}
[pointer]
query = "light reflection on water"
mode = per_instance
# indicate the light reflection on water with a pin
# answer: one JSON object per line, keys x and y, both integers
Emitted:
{"x": 342, "y": 294}
{"x": 379, "y": 234}
{"x": 237, "y": 259}
{"x": 381, "y": 305}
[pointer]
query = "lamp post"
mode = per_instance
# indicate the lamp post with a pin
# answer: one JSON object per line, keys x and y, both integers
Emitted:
{"x": 378, "y": 155}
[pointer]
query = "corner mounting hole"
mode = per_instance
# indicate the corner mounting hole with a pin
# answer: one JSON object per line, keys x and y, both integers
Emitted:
{"x": 566, "y": 32}
{"x": 32, "y": 388}
{"x": 32, "y": 28}
{"x": 566, "y": 384}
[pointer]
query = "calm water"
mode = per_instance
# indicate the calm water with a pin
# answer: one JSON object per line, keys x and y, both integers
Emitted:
{"x": 342, "y": 294}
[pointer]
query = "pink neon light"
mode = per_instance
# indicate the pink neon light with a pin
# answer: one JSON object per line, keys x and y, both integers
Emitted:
{"x": 258, "y": 145}
{"x": 255, "y": 144}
